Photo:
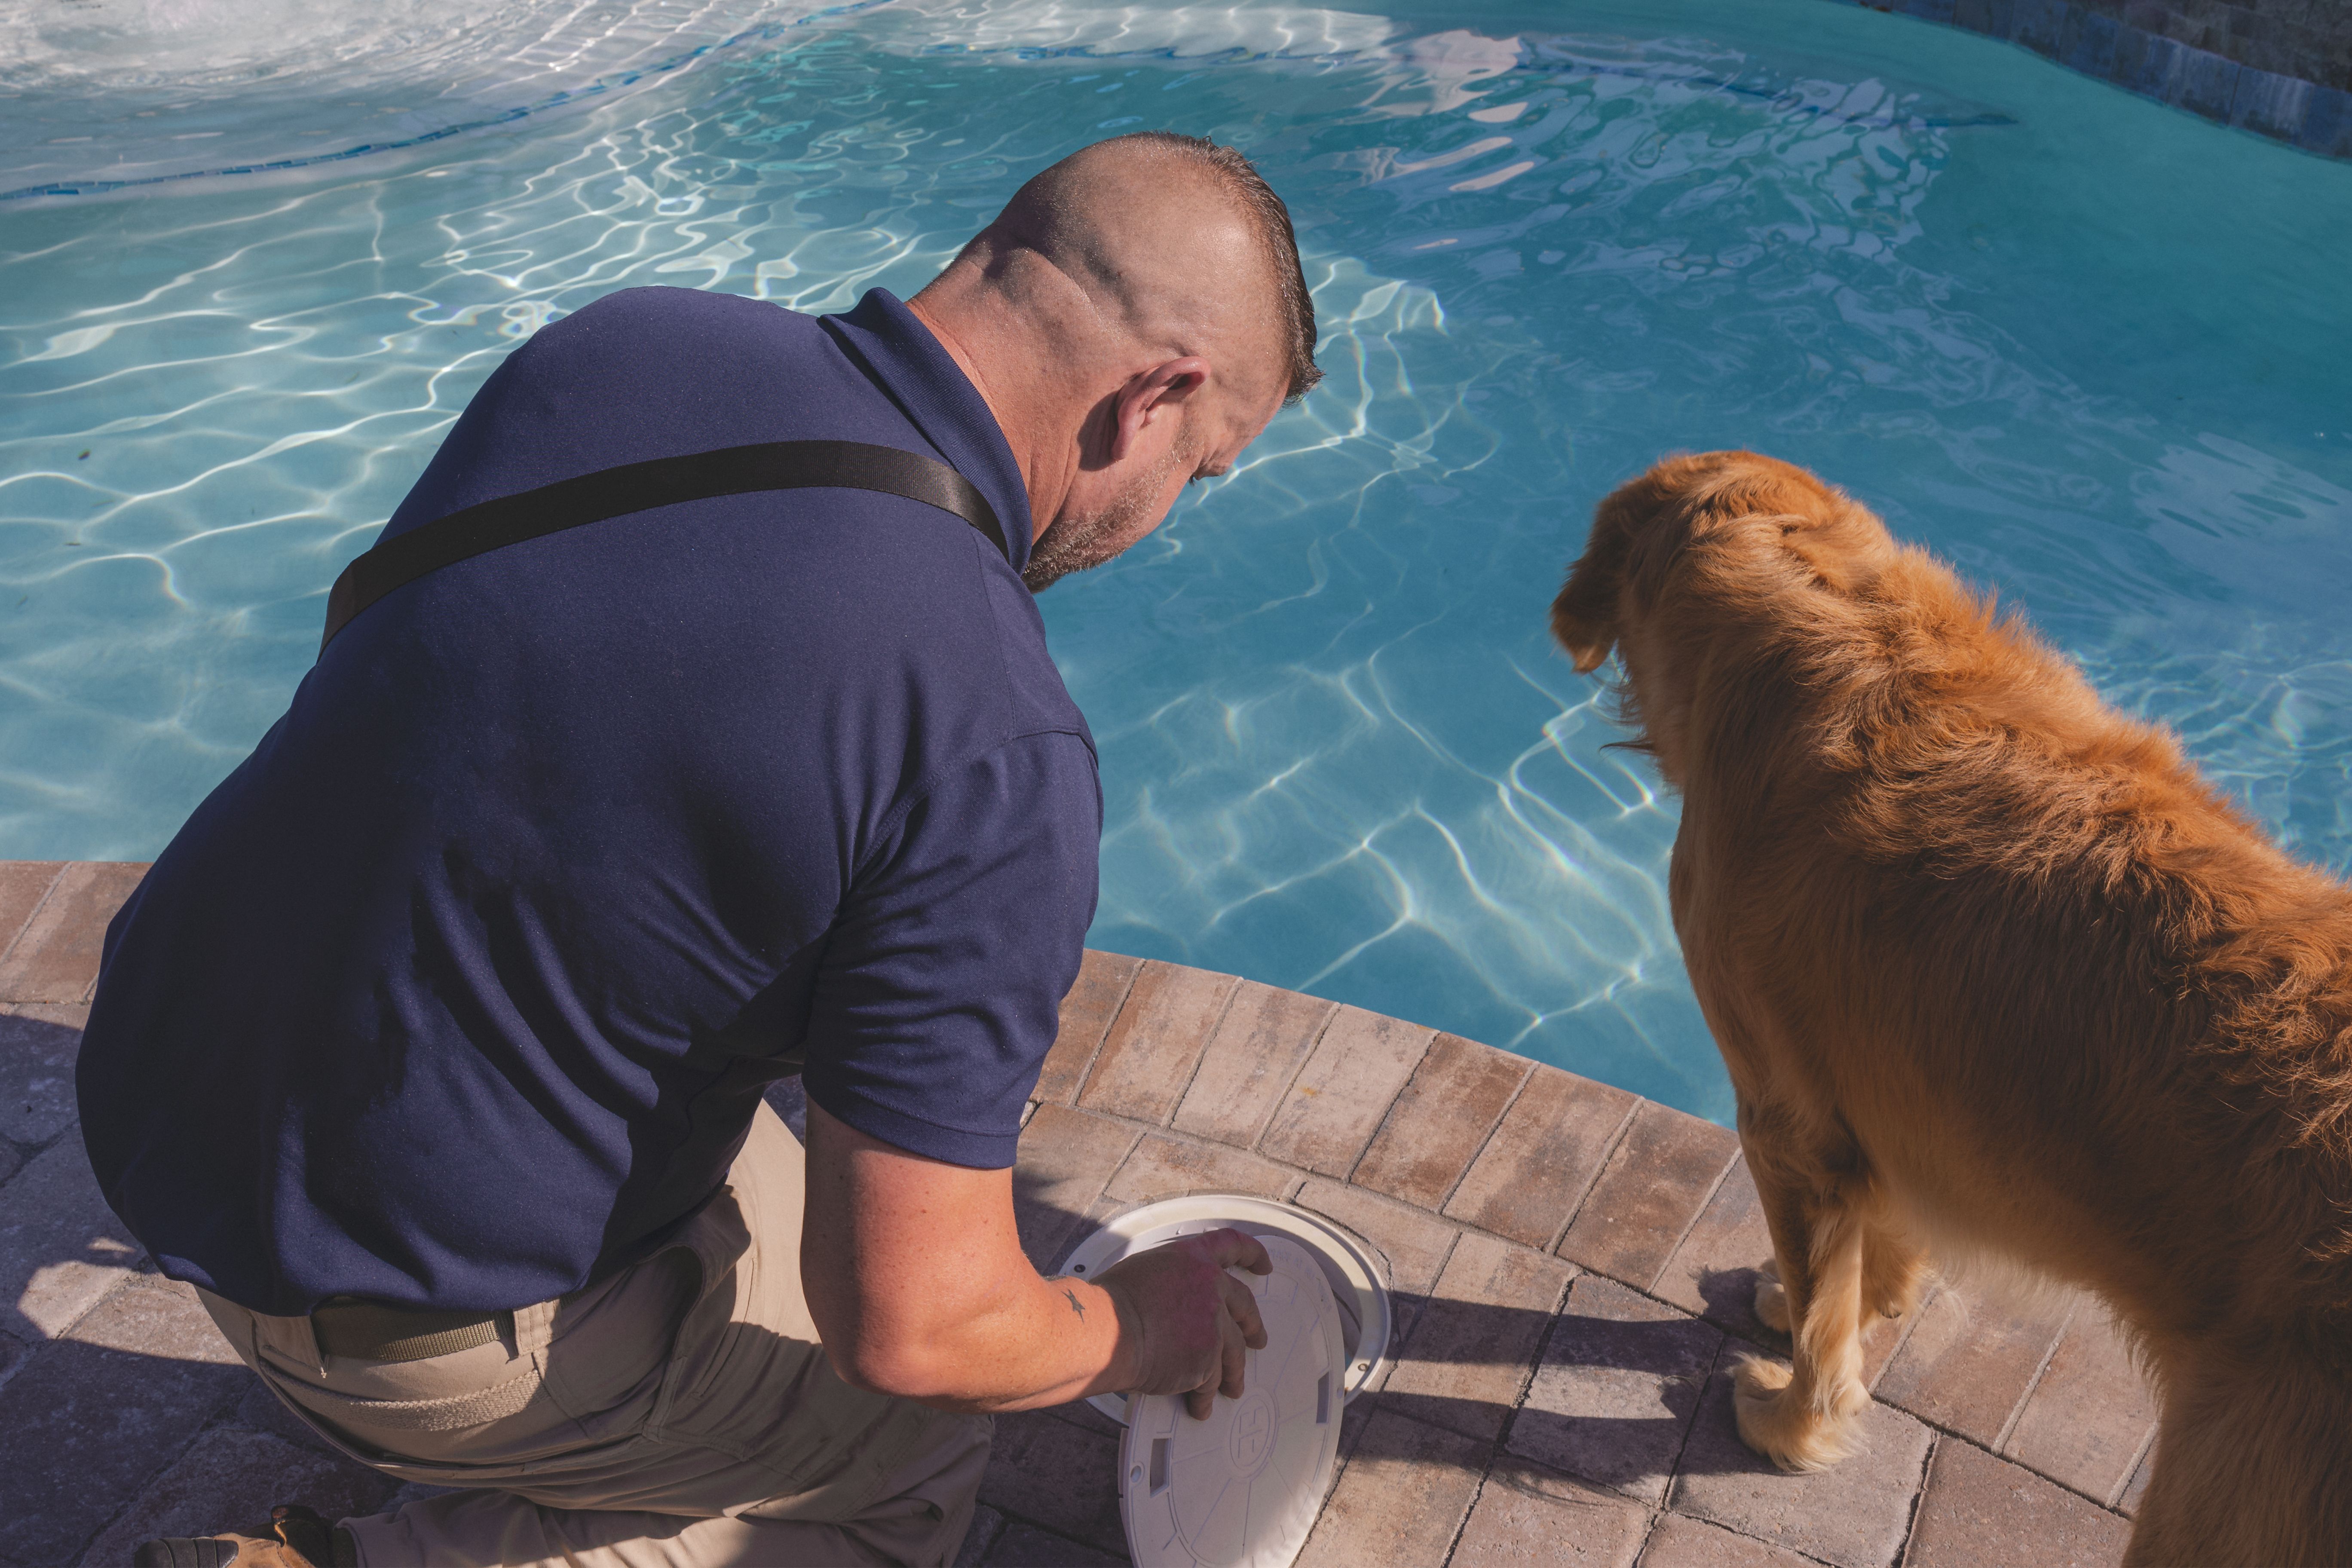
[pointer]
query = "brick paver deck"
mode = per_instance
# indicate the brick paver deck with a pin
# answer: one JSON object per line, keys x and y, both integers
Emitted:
{"x": 1573, "y": 1268}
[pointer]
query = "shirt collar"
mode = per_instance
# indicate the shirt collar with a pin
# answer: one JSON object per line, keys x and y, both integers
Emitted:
{"x": 933, "y": 392}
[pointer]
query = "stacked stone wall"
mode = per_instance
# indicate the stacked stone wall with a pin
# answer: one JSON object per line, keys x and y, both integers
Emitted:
{"x": 2309, "y": 39}
{"x": 2281, "y": 69}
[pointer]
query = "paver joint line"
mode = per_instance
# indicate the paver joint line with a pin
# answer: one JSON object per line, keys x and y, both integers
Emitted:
{"x": 2041, "y": 1369}
{"x": 1919, "y": 1493}
{"x": 47, "y": 890}
{"x": 1311, "y": 1124}
{"x": 1945, "y": 1433}
{"x": 1388, "y": 1120}
{"x": 1722, "y": 1349}
{"x": 1157, "y": 1022}
{"x": 1600, "y": 1168}
{"x": 1282, "y": 1090}
{"x": 1094, "y": 1054}
{"x": 1968, "y": 1370}
{"x": 1518, "y": 1089}
{"x": 1225, "y": 1009}
{"x": 1692, "y": 1224}
{"x": 1903, "y": 1337}
{"x": 1454, "y": 1544}
{"x": 2113, "y": 1503}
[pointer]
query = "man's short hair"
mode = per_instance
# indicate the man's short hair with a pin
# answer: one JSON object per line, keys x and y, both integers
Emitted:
{"x": 1271, "y": 220}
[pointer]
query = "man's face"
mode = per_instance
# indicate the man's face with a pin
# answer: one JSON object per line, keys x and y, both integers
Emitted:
{"x": 1112, "y": 507}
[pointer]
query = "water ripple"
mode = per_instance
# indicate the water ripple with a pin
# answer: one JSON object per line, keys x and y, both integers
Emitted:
{"x": 2087, "y": 348}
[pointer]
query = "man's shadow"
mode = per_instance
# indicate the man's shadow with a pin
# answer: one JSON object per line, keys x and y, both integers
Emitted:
{"x": 109, "y": 1376}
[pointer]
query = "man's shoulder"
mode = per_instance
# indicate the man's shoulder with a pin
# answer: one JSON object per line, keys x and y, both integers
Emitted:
{"x": 661, "y": 309}
{"x": 637, "y": 331}
{"x": 644, "y": 373}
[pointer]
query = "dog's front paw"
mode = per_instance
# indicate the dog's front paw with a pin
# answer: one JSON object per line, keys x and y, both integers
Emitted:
{"x": 1791, "y": 1433}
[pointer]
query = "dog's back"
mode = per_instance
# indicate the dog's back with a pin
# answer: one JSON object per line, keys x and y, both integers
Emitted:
{"x": 1955, "y": 920}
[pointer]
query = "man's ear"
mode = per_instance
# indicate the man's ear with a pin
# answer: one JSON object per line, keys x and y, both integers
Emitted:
{"x": 1153, "y": 394}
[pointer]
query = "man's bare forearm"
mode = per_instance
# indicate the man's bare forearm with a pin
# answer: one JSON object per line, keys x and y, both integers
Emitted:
{"x": 1051, "y": 1341}
{"x": 915, "y": 1275}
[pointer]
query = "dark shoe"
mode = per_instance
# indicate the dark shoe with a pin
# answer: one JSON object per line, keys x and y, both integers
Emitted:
{"x": 295, "y": 1537}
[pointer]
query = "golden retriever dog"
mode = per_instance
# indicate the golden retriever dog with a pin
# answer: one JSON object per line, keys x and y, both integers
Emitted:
{"x": 1995, "y": 972}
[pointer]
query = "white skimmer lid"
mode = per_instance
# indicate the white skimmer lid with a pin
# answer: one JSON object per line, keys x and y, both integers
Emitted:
{"x": 1241, "y": 1488}
{"x": 1358, "y": 1277}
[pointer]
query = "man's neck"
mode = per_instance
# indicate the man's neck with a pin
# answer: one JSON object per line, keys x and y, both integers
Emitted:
{"x": 1033, "y": 428}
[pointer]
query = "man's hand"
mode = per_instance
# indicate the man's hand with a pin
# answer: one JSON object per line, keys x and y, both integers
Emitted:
{"x": 1190, "y": 1319}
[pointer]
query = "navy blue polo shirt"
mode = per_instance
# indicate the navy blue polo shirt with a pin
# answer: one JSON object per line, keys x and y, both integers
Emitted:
{"x": 464, "y": 985}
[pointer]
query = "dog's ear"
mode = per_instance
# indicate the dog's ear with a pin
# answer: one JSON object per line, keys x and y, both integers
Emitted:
{"x": 1584, "y": 615}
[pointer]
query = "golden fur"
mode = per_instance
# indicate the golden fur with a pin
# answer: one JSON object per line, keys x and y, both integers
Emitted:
{"x": 1990, "y": 964}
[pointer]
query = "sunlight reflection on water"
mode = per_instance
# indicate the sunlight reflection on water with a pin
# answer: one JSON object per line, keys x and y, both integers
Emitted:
{"x": 2087, "y": 347}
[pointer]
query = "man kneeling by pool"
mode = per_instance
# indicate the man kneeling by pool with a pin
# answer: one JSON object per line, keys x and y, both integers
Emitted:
{"x": 431, "y": 1051}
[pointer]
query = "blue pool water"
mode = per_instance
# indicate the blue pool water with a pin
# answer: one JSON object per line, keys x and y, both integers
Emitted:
{"x": 2091, "y": 349}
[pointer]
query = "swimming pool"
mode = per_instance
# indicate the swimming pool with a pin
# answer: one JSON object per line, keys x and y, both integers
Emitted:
{"x": 2089, "y": 348}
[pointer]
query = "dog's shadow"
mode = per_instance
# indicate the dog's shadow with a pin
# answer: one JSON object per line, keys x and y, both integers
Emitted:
{"x": 1731, "y": 1298}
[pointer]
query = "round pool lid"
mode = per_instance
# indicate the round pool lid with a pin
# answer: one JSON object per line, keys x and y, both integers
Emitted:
{"x": 1241, "y": 1488}
{"x": 1355, "y": 1274}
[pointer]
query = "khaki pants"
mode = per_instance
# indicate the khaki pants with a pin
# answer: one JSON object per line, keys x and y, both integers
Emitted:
{"x": 680, "y": 1414}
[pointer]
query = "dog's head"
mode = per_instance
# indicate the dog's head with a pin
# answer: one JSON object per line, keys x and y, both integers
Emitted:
{"x": 1695, "y": 552}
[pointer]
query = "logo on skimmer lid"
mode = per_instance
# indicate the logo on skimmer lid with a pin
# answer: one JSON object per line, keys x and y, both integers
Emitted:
{"x": 1251, "y": 1441}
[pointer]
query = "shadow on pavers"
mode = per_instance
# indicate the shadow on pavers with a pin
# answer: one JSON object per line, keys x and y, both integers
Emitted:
{"x": 84, "y": 1427}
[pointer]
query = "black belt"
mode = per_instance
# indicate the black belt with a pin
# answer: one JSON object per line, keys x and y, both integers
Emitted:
{"x": 639, "y": 486}
{"x": 369, "y": 1331}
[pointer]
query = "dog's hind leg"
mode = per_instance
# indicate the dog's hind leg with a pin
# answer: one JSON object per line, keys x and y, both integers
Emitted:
{"x": 1801, "y": 1417}
{"x": 2253, "y": 1465}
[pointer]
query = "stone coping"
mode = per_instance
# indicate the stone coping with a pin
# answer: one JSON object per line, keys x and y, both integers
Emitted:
{"x": 2196, "y": 55}
{"x": 1572, "y": 1266}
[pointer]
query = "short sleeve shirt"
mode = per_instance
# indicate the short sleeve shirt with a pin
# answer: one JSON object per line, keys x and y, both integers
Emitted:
{"x": 466, "y": 983}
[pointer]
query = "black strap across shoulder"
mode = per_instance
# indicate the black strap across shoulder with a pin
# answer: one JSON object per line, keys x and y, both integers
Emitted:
{"x": 638, "y": 487}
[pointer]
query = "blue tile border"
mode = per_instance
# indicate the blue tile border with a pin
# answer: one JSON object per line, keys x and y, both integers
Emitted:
{"x": 2326, "y": 127}
{"x": 2287, "y": 109}
{"x": 2272, "y": 105}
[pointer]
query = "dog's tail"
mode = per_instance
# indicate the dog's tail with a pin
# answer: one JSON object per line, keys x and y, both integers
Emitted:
{"x": 2253, "y": 1460}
